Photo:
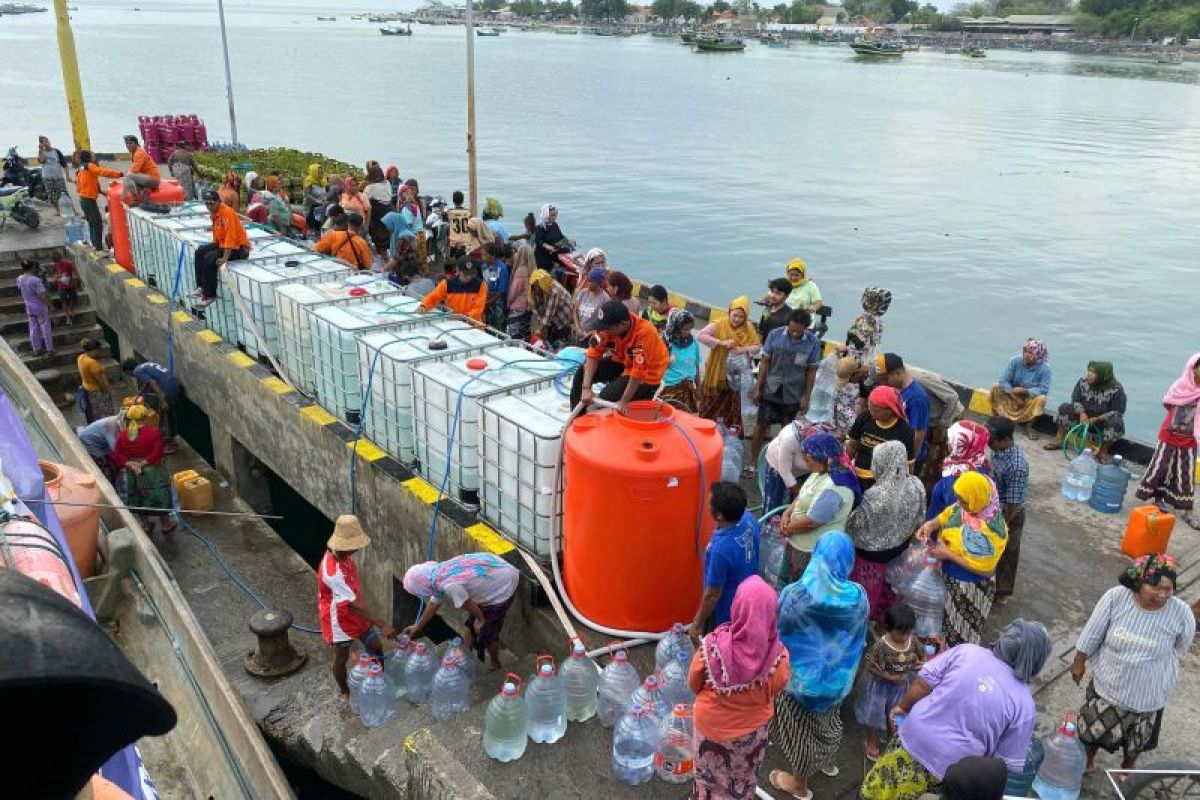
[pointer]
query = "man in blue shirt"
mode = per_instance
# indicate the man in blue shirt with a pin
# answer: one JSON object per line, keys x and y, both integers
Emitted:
{"x": 731, "y": 556}
{"x": 160, "y": 389}
{"x": 790, "y": 356}
{"x": 916, "y": 402}
{"x": 1010, "y": 471}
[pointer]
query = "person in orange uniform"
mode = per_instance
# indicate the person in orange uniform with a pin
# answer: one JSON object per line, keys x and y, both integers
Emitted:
{"x": 628, "y": 356}
{"x": 143, "y": 173}
{"x": 346, "y": 242}
{"x": 87, "y": 183}
{"x": 463, "y": 293}
{"x": 230, "y": 243}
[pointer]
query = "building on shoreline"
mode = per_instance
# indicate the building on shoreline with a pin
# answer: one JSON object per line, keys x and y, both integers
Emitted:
{"x": 1022, "y": 24}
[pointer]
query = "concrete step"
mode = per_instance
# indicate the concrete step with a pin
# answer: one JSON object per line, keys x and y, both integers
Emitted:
{"x": 13, "y": 258}
{"x": 66, "y": 337}
{"x": 16, "y": 324}
{"x": 13, "y": 305}
{"x": 65, "y": 360}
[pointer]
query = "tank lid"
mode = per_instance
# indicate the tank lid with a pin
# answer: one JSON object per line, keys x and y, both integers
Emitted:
{"x": 477, "y": 363}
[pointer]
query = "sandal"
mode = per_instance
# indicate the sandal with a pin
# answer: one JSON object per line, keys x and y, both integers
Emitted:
{"x": 831, "y": 770}
{"x": 773, "y": 779}
{"x": 1052, "y": 446}
{"x": 871, "y": 754}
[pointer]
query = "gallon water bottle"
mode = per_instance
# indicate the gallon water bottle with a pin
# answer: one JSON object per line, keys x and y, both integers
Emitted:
{"x": 377, "y": 697}
{"x": 772, "y": 558}
{"x": 1108, "y": 495}
{"x": 450, "y": 692}
{"x": 927, "y": 597}
{"x": 618, "y": 682}
{"x": 418, "y": 674}
{"x": 649, "y": 694}
{"x": 635, "y": 738}
{"x": 820, "y": 404}
{"x": 903, "y": 569}
{"x": 505, "y": 723}
{"x": 731, "y": 455}
{"x": 675, "y": 690}
{"x": 930, "y": 652}
{"x": 546, "y": 699}
{"x": 1081, "y": 476}
{"x": 581, "y": 679}
{"x": 1061, "y": 774}
{"x": 676, "y": 639}
{"x": 675, "y": 756}
{"x": 1020, "y": 783}
{"x": 393, "y": 665}
{"x": 469, "y": 663}
{"x": 354, "y": 680}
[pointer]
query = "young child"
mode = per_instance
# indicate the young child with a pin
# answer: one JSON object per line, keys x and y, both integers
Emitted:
{"x": 66, "y": 280}
{"x": 889, "y": 666}
{"x": 658, "y": 306}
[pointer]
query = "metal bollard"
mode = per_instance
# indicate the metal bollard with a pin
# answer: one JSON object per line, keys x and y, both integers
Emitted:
{"x": 274, "y": 657}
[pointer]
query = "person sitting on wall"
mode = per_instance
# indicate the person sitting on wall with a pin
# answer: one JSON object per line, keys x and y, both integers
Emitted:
{"x": 142, "y": 177}
{"x": 482, "y": 584}
{"x": 1021, "y": 393}
{"x": 230, "y": 243}
{"x": 628, "y": 356}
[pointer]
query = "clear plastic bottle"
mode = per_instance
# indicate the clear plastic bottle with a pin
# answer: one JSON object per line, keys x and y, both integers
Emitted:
{"x": 418, "y": 674}
{"x": 731, "y": 455}
{"x": 649, "y": 694}
{"x": 393, "y": 665}
{"x": 581, "y": 679}
{"x": 618, "y": 682}
{"x": 470, "y": 664}
{"x": 450, "y": 692}
{"x": 927, "y": 596}
{"x": 505, "y": 725}
{"x": 676, "y": 639}
{"x": 1080, "y": 477}
{"x": 1061, "y": 775}
{"x": 675, "y": 756}
{"x": 772, "y": 556}
{"x": 820, "y": 405}
{"x": 675, "y": 689}
{"x": 635, "y": 739}
{"x": 546, "y": 699}
{"x": 377, "y": 697}
{"x": 1112, "y": 480}
{"x": 354, "y": 679}
{"x": 903, "y": 569}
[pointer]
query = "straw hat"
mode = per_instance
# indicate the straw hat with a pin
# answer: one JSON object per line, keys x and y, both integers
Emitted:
{"x": 348, "y": 535}
{"x": 846, "y": 365}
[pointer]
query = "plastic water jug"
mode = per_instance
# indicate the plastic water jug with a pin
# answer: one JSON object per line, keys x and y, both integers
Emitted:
{"x": 504, "y": 725}
{"x": 1020, "y": 783}
{"x": 618, "y": 682}
{"x": 676, "y": 639}
{"x": 635, "y": 739}
{"x": 469, "y": 663}
{"x": 377, "y": 697}
{"x": 1061, "y": 774}
{"x": 649, "y": 694}
{"x": 675, "y": 690}
{"x": 820, "y": 404}
{"x": 1108, "y": 495}
{"x": 927, "y": 596}
{"x": 675, "y": 756}
{"x": 581, "y": 679}
{"x": 1148, "y": 531}
{"x": 903, "y": 569}
{"x": 546, "y": 699}
{"x": 930, "y": 652}
{"x": 450, "y": 692}
{"x": 1080, "y": 478}
{"x": 354, "y": 680}
{"x": 731, "y": 455}
{"x": 418, "y": 674}
{"x": 393, "y": 665}
{"x": 772, "y": 558}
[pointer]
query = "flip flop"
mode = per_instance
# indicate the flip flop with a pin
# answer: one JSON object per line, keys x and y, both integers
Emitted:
{"x": 831, "y": 770}
{"x": 773, "y": 779}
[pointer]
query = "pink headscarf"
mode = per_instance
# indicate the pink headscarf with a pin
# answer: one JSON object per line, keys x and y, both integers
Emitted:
{"x": 887, "y": 397}
{"x": 744, "y": 651}
{"x": 1185, "y": 391}
{"x": 966, "y": 444}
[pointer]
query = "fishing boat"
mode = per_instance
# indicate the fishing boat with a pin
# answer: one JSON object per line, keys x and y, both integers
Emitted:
{"x": 326, "y": 19}
{"x": 396, "y": 31}
{"x": 720, "y": 44}
{"x": 878, "y": 48}
{"x": 974, "y": 52}
{"x": 487, "y": 32}
{"x": 567, "y": 31}
{"x": 774, "y": 40}
{"x": 687, "y": 37}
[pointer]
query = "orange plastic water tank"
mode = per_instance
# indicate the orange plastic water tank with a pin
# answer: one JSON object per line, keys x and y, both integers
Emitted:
{"x": 80, "y": 524}
{"x": 633, "y": 490}
{"x": 31, "y": 550}
{"x": 1148, "y": 531}
{"x": 168, "y": 191}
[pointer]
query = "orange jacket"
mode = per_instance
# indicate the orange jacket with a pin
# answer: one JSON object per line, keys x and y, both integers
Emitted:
{"x": 641, "y": 350}
{"x": 143, "y": 163}
{"x": 468, "y": 298}
{"x": 227, "y": 230}
{"x": 349, "y": 247}
{"x": 87, "y": 179}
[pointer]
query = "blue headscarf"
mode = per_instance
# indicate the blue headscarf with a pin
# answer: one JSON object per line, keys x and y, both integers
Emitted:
{"x": 824, "y": 446}
{"x": 823, "y": 625}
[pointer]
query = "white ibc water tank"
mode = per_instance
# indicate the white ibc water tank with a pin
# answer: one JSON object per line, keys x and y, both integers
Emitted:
{"x": 154, "y": 240}
{"x": 388, "y": 418}
{"x": 258, "y": 277}
{"x": 519, "y": 441}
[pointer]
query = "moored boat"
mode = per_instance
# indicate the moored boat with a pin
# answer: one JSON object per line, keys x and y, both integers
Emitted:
{"x": 396, "y": 31}
{"x": 876, "y": 48}
{"x": 774, "y": 40}
{"x": 487, "y": 32}
{"x": 720, "y": 44}
{"x": 974, "y": 52}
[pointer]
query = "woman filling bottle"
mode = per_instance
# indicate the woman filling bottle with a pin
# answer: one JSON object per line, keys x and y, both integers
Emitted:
{"x": 825, "y": 501}
{"x": 732, "y": 335}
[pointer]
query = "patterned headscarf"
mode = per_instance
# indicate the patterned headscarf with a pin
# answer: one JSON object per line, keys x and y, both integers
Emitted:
{"x": 743, "y": 652}
{"x": 977, "y": 496}
{"x": 1150, "y": 569}
{"x": 865, "y": 329}
{"x": 889, "y": 398}
{"x": 430, "y": 579}
{"x": 876, "y": 301}
{"x": 966, "y": 448}
{"x": 825, "y": 447}
{"x": 135, "y": 415}
{"x": 891, "y": 509}
{"x": 1036, "y": 348}
{"x": 676, "y": 319}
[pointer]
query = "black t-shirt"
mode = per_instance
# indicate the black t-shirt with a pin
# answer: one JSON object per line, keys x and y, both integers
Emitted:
{"x": 773, "y": 319}
{"x": 869, "y": 433}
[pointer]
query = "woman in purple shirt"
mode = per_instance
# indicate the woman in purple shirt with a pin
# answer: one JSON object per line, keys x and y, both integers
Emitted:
{"x": 968, "y": 701}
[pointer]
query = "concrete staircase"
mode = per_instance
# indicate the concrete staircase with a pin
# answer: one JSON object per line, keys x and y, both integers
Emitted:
{"x": 57, "y": 373}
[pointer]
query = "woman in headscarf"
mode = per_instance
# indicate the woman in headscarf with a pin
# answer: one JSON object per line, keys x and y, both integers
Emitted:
{"x": 392, "y": 176}
{"x": 620, "y": 288}
{"x": 1098, "y": 400}
{"x": 548, "y": 239}
{"x": 823, "y": 625}
{"x": 378, "y": 193}
{"x": 875, "y": 303}
{"x": 551, "y": 307}
{"x": 253, "y": 185}
{"x": 966, "y": 451}
{"x": 805, "y": 294}
{"x": 683, "y": 372}
{"x": 588, "y": 298}
{"x": 279, "y": 213}
{"x": 736, "y": 673}
{"x": 968, "y": 538}
{"x": 949, "y": 717}
{"x": 353, "y": 200}
{"x": 314, "y": 177}
{"x": 313, "y": 197}
{"x": 882, "y": 525}
{"x": 1024, "y": 384}
{"x": 883, "y": 421}
{"x": 824, "y": 501}
{"x": 491, "y": 214}
{"x": 138, "y": 456}
{"x": 732, "y": 335}
{"x": 519, "y": 316}
{"x": 1170, "y": 479}
{"x": 230, "y": 190}
{"x": 1135, "y": 639}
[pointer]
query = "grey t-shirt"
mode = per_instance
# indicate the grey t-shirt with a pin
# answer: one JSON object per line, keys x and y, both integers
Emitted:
{"x": 53, "y": 167}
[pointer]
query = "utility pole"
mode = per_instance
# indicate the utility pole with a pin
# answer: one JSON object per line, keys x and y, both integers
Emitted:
{"x": 473, "y": 195}
{"x": 70, "y": 71}
{"x": 228, "y": 74}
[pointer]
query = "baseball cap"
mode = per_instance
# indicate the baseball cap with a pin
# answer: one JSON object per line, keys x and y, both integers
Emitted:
{"x": 612, "y": 312}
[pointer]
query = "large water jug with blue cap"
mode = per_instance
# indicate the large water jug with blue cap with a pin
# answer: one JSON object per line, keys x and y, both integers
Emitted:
{"x": 1061, "y": 775}
{"x": 675, "y": 689}
{"x": 1077, "y": 483}
{"x": 546, "y": 699}
{"x": 1108, "y": 495}
{"x": 581, "y": 679}
{"x": 505, "y": 725}
{"x": 676, "y": 639}
{"x": 450, "y": 692}
{"x": 927, "y": 597}
{"x": 635, "y": 739}
{"x": 618, "y": 681}
{"x": 820, "y": 405}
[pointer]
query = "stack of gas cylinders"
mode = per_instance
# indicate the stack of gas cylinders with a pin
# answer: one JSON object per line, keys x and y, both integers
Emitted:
{"x": 162, "y": 134}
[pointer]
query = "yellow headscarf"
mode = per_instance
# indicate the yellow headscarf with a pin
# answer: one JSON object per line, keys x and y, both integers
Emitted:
{"x": 798, "y": 263}
{"x": 314, "y": 177}
{"x": 973, "y": 528}
{"x": 134, "y": 415}
{"x": 974, "y": 491}
{"x": 745, "y": 335}
{"x": 542, "y": 280}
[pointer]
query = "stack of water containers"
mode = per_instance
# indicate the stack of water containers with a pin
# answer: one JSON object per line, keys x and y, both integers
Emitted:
{"x": 392, "y": 353}
{"x": 335, "y": 331}
{"x": 447, "y": 398}
{"x": 154, "y": 240}
{"x": 294, "y": 305}
{"x": 259, "y": 276}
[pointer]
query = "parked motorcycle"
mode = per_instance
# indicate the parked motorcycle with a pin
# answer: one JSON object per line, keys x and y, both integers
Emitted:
{"x": 18, "y": 173}
{"x": 15, "y": 203}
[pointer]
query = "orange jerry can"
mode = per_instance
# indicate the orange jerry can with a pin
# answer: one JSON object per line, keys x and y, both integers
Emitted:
{"x": 194, "y": 490}
{"x": 1148, "y": 531}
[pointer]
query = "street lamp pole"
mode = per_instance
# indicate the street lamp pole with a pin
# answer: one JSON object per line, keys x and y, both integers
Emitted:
{"x": 228, "y": 74}
{"x": 473, "y": 192}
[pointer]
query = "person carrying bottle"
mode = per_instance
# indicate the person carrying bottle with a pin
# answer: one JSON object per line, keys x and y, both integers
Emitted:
{"x": 482, "y": 584}
{"x": 730, "y": 558}
{"x": 628, "y": 356}
{"x": 1010, "y": 471}
{"x": 344, "y": 616}
{"x": 786, "y": 372}
{"x": 824, "y": 502}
